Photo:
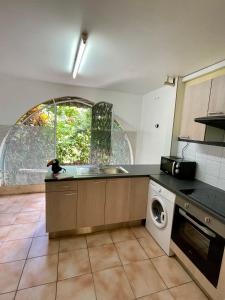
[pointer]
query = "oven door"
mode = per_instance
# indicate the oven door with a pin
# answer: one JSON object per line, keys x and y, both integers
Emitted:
{"x": 203, "y": 246}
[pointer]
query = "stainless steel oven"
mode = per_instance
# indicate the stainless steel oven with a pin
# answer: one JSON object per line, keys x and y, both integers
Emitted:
{"x": 201, "y": 244}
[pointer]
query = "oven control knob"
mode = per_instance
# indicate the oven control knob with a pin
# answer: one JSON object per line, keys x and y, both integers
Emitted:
{"x": 177, "y": 171}
{"x": 207, "y": 219}
{"x": 187, "y": 205}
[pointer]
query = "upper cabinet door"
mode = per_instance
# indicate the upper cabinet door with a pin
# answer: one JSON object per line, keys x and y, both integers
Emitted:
{"x": 196, "y": 101}
{"x": 217, "y": 97}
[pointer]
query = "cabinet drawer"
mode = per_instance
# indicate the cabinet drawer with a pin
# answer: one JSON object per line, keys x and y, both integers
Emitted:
{"x": 59, "y": 186}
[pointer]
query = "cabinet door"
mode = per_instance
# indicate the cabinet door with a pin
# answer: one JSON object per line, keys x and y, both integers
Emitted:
{"x": 196, "y": 101}
{"x": 139, "y": 198}
{"x": 117, "y": 208}
{"x": 91, "y": 203}
{"x": 61, "y": 211}
{"x": 217, "y": 97}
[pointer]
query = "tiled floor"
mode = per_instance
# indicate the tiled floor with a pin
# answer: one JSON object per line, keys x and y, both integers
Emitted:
{"x": 122, "y": 264}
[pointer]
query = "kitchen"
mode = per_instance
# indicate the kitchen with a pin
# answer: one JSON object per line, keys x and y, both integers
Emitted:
{"x": 142, "y": 215}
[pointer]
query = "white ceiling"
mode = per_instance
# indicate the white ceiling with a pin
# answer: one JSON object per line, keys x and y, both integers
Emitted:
{"x": 132, "y": 45}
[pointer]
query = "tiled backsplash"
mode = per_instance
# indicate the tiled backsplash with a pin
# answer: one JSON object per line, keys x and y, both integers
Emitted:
{"x": 210, "y": 162}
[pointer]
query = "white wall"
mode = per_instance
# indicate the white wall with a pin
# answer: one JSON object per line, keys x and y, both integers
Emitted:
{"x": 18, "y": 95}
{"x": 210, "y": 162}
{"x": 157, "y": 108}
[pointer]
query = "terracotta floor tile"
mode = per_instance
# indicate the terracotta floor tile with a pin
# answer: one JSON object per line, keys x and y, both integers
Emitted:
{"x": 150, "y": 246}
{"x": 33, "y": 197}
{"x": 130, "y": 251}
{"x": 99, "y": 239}
{"x": 43, "y": 246}
{"x": 4, "y": 230}
{"x": 122, "y": 234}
{"x": 7, "y": 219}
{"x": 139, "y": 232}
{"x": 27, "y": 217}
{"x": 32, "y": 206}
{"x": 39, "y": 270}
{"x": 78, "y": 288}
{"x": 171, "y": 271}
{"x": 40, "y": 229}
{"x": 72, "y": 243}
{"x": 4, "y": 206}
{"x": 8, "y": 296}
{"x": 11, "y": 207}
{"x": 188, "y": 291}
{"x": 73, "y": 263}
{"x": 14, "y": 250}
{"x": 10, "y": 276}
{"x": 143, "y": 278}
{"x": 21, "y": 231}
{"x": 103, "y": 257}
{"x": 42, "y": 292}
{"x": 164, "y": 295}
{"x": 112, "y": 284}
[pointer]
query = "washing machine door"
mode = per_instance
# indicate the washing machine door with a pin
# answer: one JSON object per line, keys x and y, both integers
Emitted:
{"x": 158, "y": 212}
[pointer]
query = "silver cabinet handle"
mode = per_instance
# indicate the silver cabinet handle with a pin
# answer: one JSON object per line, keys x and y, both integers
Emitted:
{"x": 185, "y": 137}
{"x": 202, "y": 228}
{"x": 216, "y": 113}
{"x": 71, "y": 194}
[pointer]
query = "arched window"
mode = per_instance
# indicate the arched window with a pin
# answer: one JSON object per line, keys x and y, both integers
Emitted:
{"x": 56, "y": 128}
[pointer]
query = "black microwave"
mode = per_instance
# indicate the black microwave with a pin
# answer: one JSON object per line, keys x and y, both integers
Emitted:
{"x": 178, "y": 167}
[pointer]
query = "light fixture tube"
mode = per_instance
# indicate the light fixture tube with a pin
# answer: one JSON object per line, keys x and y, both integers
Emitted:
{"x": 79, "y": 54}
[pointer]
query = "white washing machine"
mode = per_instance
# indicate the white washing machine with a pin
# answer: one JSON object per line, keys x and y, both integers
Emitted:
{"x": 160, "y": 212}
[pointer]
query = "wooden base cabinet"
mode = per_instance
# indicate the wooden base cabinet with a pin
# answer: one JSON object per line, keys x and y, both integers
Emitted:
{"x": 117, "y": 208}
{"x": 61, "y": 208}
{"x": 126, "y": 199}
{"x": 95, "y": 202}
{"x": 91, "y": 203}
{"x": 138, "y": 198}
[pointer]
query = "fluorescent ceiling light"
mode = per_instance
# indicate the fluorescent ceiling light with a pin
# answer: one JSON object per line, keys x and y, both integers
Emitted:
{"x": 79, "y": 53}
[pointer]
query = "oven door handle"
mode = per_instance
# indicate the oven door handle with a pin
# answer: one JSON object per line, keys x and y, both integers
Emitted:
{"x": 202, "y": 228}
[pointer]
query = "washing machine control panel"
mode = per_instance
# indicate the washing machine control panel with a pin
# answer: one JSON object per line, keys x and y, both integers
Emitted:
{"x": 157, "y": 188}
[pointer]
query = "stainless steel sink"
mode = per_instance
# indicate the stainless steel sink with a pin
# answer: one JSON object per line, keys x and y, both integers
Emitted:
{"x": 95, "y": 170}
{"x": 113, "y": 170}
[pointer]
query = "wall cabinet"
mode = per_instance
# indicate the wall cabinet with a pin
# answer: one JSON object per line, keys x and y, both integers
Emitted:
{"x": 196, "y": 102}
{"x": 217, "y": 97}
{"x": 117, "y": 208}
{"x": 91, "y": 203}
{"x": 61, "y": 210}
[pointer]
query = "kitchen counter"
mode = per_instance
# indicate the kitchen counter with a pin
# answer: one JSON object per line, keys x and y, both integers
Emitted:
{"x": 133, "y": 171}
{"x": 207, "y": 197}
{"x": 210, "y": 198}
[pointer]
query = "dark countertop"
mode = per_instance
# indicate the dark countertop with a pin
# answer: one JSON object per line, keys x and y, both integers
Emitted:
{"x": 209, "y": 198}
{"x": 205, "y": 196}
{"x": 133, "y": 171}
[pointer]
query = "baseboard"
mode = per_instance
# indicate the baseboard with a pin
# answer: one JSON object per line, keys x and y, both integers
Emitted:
{"x": 22, "y": 189}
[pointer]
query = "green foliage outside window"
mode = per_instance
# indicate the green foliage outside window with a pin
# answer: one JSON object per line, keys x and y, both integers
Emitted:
{"x": 73, "y": 134}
